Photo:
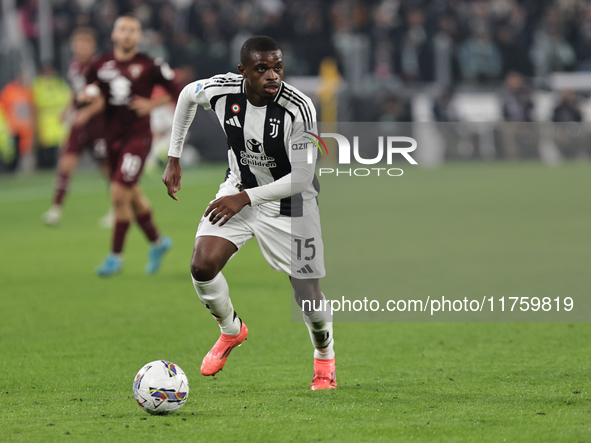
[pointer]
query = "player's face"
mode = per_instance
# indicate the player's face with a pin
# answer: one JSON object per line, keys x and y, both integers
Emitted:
{"x": 83, "y": 47}
{"x": 126, "y": 34}
{"x": 263, "y": 73}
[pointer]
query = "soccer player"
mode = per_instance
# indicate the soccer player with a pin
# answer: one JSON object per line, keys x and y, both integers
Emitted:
{"x": 87, "y": 130}
{"x": 269, "y": 193}
{"x": 124, "y": 80}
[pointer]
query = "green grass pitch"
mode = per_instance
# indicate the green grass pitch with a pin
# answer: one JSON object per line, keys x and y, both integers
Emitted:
{"x": 71, "y": 343}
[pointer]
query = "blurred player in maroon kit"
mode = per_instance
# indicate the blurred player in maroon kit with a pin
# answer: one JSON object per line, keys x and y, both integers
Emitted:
{"x": 123, "y": 80}
{"x": 87, "y": 127}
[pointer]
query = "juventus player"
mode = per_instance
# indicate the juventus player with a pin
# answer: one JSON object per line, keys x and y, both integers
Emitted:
{"x": 124, "y": 80}
{"x": 269, "y": 192}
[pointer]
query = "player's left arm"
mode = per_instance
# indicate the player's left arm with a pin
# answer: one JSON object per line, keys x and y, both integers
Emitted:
{"x": 162, "y": 75}
{"x": 298, "y": 180}
{"x": 303, "y": 162}
{"x": 302, "y": 157}
{"x": 143, "y": 106}
{"x": 95, "y": 103}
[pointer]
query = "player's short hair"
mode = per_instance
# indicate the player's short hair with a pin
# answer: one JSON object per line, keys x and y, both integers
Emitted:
{"x": 86, "y": 31}
{"x": 259, "y": 43}
{"x": 128, "y": 17}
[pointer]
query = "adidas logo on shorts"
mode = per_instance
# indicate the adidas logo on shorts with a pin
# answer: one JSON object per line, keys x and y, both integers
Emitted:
{"x": 306, "y": 270}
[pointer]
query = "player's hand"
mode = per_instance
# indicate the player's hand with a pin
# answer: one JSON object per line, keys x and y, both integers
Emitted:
{"x": 82, "y": 98}
{"x": 172, "y": 176}
{"x": 224, "y": 208}
{"x": 88, "y": 94}
{"x": 81, "y": 117}
{"x": 141, "y": 105}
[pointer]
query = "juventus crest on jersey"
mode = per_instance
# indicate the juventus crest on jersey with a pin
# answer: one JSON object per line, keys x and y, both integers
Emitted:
{"x": 259, "y": 138}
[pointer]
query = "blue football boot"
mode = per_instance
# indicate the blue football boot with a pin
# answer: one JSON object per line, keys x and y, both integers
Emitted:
{"x": 156, "y": 253}
{"x": 111, "y": 266}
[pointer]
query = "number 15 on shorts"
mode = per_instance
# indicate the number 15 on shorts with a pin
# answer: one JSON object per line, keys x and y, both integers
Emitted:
{"x": 306, "y": 248}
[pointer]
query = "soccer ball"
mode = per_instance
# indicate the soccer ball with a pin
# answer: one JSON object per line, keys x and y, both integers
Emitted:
{"x": 161, "y": 387}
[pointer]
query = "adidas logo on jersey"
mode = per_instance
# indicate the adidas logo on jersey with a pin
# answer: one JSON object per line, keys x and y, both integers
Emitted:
{"x": 234, "y": 122}
{"x": 306, "y": 270}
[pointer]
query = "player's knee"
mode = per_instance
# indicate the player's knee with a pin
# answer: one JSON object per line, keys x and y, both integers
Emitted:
{"x": 118, "y": 201}
{"x": 119, "y": 196}
{"x": 307, "y": 289}
{"x": 67, "y": 164}
{"x": 203, "y": 269}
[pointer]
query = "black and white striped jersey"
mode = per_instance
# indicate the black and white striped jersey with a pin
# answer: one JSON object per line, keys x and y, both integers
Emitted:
{"x": 263, "y": 141}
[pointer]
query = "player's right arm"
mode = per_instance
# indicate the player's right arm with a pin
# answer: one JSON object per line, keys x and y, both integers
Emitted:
{"x": 192, "y": 95}
{"x": 90, "y": 97}
{"x": 94, "y": 102}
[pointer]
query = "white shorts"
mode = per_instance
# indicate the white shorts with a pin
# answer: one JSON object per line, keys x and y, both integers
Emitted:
{"x": 292, "y": 245}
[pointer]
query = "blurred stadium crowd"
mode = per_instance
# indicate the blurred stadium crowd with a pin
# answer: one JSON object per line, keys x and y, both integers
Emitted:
{"x": 385, "y": 50}
{"x": 405, "y": 39}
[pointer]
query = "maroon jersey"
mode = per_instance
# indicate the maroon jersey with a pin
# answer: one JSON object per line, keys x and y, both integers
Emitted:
{"x": 119, "y": 81}
{"x": 77, "y": 74}
{"x": 91, "y": 135}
